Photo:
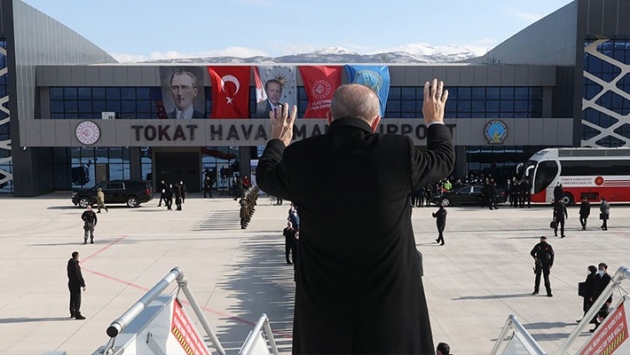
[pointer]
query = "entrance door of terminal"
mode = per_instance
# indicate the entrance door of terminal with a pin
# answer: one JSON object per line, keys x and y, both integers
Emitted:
{"x": 175, "y": 167}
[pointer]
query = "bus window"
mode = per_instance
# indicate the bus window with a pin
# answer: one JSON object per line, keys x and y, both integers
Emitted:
{"x": 545, "y": 174}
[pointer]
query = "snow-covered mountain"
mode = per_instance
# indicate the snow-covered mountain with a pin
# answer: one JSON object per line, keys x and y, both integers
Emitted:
{"x": 413, "y": 53}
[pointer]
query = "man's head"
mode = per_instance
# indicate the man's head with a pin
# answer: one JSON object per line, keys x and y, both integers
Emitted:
{"x": 592, "y": 269}
{"x": 543, "y": 239}
{"x": 356, "y": 101}
{"x": 443, "y": 349}
{"x": 273, "y": 88}
{"x": 603, "y": 199}
{"x": 289, "y": 225}
{"x": 75, "y": 255}
{"x": 100, "y": 189}
{"x": 89, "y": 208}
{"x": 184, "y": 89}
{"x": 602, "y": 267}
{"x": 584, "y": 198}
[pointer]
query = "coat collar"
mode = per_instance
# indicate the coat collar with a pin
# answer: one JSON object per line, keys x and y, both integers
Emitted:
{"x": 350, "y": 122}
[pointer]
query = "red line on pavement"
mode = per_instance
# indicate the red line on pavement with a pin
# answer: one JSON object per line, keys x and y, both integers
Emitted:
{"x": 103, "y": 248}
{"x": 131, "y": 284}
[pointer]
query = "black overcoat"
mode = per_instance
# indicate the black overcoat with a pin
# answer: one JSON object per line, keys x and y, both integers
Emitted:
{"x": 358, "y": 283}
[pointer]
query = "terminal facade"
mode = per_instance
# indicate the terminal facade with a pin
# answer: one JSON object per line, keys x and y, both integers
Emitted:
{"x": 560, "y": 82}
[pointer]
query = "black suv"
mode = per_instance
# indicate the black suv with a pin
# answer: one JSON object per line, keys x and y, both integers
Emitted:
{"x": 133, "y": 193}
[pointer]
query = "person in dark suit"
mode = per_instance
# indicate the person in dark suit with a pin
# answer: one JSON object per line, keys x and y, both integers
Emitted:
{"x": 440, "y": 216}
{"x": 184, "y": 90}
{"x": 588, "y": 289}
{"x": 602, "y": 282}
{"x": 358, "y": 276}
{"x": 273, "y": 89}
{"x": 559, "y": 215}
{"x": 585, "y": 211}
{"x": 543, "y": 258}
{"x": 75, "y": 283}
{"x": 289, "y": 236}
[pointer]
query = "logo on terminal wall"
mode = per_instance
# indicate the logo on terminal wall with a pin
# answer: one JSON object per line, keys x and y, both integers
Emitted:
{"x": 495, "y": 131}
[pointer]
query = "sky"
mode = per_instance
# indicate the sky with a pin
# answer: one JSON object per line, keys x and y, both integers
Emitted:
{"x": 138, "y": 30}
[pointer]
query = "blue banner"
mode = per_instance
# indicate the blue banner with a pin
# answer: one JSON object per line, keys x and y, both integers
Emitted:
{"x": 374, "y": 77}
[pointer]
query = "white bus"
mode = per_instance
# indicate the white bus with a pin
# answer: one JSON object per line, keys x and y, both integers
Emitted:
{"x": 583, "y": 172}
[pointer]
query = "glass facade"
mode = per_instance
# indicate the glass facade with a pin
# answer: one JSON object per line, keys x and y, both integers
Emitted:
{"x": 403, "y": 102}
{"x": 470, "y": 102}
{"x": 87, "y": 166}
{"x": 6, "y": 166}
{"x": 606, "y": 93}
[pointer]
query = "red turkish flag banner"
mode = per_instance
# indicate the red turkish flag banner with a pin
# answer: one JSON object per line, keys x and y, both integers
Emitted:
{"x": 320, "y": 84}
{"x": 230, "y": 91}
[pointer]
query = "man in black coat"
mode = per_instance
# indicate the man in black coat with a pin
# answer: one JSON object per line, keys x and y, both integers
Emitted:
{"x": 543, "y": 258}
{"x": 559, "y": 215}
{"x": 440, "y": 216}
{"x": 585, "y": 211}
{"x": 589, "y": 289}
{"x": 75, "y": 283}
{"x": 358, "y": 278}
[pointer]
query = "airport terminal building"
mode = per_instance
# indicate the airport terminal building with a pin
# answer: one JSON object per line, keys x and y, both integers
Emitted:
{"x": 71, "y": 116}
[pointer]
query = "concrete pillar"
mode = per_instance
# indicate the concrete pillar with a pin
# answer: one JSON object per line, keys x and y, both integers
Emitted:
{"x": 245, "y": 161}
{"x": 135, "y": 163}
{"x": 460, "y": 162}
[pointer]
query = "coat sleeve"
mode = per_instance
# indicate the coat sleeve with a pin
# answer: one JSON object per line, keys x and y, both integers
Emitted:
{"x": 533, "y": 252}
{"x": 271, "y": 173}
{"x": 552, "y": 255}
{"x": 437, "y": 162}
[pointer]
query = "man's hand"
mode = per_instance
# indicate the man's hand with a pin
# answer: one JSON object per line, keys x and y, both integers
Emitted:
{"x": 83, "y": 288}
{"x": 434, "y": 101}
{"x": 282, "y": 123}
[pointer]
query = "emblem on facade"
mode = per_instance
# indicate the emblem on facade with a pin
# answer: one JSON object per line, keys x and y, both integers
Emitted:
{"x": 87, "y": 132}
{"x": 495, "y": 131}
{"x": 321, "y": 89}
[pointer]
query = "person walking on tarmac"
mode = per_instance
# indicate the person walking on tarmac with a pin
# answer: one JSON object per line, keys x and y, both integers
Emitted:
{"x": 162, "y": 189}
{"x": 543, "y": 259}
{"x": 100, "y": 200}
{"x": 559, "y": 215}
{"x": 440, "y": 216}
{"x": 585, "y": 211}
{"x": 89, "y": 223}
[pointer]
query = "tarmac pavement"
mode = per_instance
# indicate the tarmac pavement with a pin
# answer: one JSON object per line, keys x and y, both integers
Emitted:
{"x": 473, "y": 283}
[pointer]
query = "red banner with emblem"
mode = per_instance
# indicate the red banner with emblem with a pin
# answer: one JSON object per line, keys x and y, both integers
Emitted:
{"x": 320, "y": 83}
{"x": 230, "y": 91}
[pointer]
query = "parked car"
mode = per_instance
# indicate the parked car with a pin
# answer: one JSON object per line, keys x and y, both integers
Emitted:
{"x": 467, "y": 195}
{"x": 130, "y": 192}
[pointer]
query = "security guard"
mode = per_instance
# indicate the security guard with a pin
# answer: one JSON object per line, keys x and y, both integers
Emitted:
{"x": 543, "y": 258}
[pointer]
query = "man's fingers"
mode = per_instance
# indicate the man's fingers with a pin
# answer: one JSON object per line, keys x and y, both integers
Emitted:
{"x": 444, "y": 96}
{"x": 426, "y": 91}
{"x": 292, "y": 116}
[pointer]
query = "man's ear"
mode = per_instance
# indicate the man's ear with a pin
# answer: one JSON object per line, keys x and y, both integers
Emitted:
{"x": 375, "y": 123}
{"x": 328, "y": 117}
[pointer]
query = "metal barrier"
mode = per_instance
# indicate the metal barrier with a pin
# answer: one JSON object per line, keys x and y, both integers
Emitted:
{"x": 520, "y": 340}
{"x": 176, "y": 274}
{"x": 255, "y": 344}
{"x": 621, "y": 274}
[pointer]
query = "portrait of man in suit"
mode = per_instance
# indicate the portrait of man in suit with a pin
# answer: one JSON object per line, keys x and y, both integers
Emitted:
{"x": 273, "y": 89}
{"x": 184, "y": 90}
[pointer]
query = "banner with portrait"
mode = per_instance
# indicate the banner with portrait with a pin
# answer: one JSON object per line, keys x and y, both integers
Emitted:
{"x": 230, "y": 91}
{"x": 320, "y": 83}
{"x": 374, "y": 77}
{"x": 183, "y": 92}
{"x": 275, "y": 85}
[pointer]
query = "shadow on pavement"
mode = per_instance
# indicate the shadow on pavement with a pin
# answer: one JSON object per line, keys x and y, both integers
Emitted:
{"x": 487, "y": 297}
{"x": 31, "y": 320}
{"x": 261, "y": 283}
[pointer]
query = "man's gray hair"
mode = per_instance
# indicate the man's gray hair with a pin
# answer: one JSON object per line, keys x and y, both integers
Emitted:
{"x": 355, "y": 101}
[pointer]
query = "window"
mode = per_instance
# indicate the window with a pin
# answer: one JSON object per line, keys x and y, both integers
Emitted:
{"x": 595, "y": 167}
{"x": 470, "y": 102}
{"x": 546, "y": 172}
